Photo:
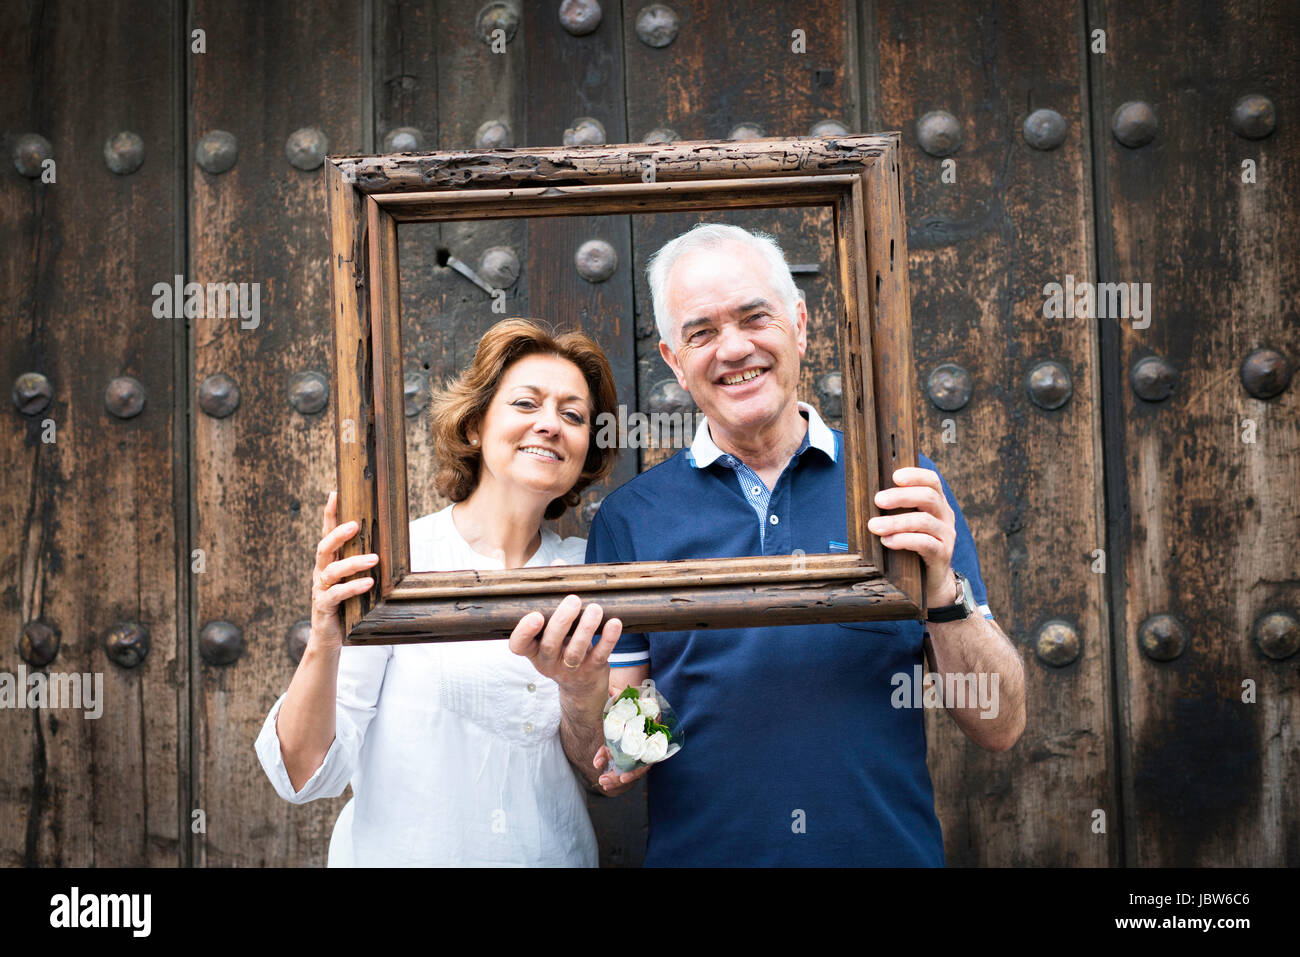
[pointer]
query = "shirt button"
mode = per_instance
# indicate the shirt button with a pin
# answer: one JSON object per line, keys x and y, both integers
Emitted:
{"x": 773, "y": 519}
{"x": 531, "y": 686}
{"x": 528, "y": 728}
{"x": 754, "y": 490}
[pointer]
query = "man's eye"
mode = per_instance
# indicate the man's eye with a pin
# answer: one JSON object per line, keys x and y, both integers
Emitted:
{"x": 758, "y": 315}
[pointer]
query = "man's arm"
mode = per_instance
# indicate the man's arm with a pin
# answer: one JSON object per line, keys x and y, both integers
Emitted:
{"x": 975, "y": 647}
{"x": 994, "y": 715}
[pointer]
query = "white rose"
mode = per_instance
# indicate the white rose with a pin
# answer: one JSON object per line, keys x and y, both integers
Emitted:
{"x": 614, "y": 726}
{"x": 633, "y": 740}
{"x": 656, "y": 748}
{"x": 624, "y": 708}
{"x": 649, "y": 705}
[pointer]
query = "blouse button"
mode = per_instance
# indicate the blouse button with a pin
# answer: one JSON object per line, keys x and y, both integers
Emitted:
{"x": 531, "y": 686}
{"x": 528, "y": 728}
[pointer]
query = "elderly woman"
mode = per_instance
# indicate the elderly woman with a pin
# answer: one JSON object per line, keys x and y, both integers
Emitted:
{"x": 452, "y": 749}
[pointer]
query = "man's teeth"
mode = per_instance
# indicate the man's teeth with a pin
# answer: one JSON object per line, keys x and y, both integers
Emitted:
{"x": 743, "y": 376}
{"x": 537, "y": 450}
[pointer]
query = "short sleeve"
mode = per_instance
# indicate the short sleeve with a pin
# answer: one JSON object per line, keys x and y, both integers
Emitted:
{"x": 360, "y": 679}
{"x": 633, "y": 648}
{"x": 965, "y": 559}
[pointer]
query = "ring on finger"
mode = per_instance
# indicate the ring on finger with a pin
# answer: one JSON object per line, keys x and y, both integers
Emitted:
{"x": 573, "y": 667}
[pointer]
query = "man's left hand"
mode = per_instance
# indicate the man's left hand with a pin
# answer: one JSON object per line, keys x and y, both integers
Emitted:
{"x": 930, "y": 530}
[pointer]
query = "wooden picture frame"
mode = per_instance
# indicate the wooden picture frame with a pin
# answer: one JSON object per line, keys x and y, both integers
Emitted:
{"x": 857, "y": 176}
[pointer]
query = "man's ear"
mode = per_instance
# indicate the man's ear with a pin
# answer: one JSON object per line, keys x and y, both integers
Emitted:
{"x": 673, "y": 364}
{"x": 801, "y": 325}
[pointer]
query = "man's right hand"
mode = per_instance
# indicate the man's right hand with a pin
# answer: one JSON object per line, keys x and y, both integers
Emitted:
{"x": 610, "y": 781}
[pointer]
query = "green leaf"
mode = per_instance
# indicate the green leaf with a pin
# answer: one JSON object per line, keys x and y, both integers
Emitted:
{"x": 651, "y": 727}
{"x": 628, "y": 692}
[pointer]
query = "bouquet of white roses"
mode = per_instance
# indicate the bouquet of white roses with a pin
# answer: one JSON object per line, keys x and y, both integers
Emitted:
{"x": 641, "y": 728}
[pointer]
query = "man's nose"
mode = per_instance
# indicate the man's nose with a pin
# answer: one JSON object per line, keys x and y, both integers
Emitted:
{"x": 733, "y": 344}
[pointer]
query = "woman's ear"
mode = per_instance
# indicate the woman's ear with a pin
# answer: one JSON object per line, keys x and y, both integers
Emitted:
{"x": 471, "y": 433}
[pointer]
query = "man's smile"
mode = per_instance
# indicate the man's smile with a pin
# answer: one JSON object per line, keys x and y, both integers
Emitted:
{"x": 744, "y": 375}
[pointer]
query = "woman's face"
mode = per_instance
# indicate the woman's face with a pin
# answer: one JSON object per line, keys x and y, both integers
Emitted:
{"x": 537, "y": 427}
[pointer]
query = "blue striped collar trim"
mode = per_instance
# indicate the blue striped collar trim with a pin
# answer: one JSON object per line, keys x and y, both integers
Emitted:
{"x": 704, "y": 452}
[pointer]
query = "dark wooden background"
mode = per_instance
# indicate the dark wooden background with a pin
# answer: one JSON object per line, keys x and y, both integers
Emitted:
{"x": 107, "y": 523}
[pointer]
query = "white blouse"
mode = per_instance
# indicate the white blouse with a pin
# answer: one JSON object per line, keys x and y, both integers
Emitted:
{"x": 452, "y": 748}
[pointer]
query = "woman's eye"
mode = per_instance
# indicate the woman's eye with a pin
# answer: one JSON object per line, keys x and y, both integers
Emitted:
{"x": 523, "y": 403}
{"x": 574, "y": 417}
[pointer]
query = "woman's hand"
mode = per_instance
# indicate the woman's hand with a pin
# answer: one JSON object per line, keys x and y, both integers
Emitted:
{"x": 328, "y": 590}
{"x": 610, "y": 780}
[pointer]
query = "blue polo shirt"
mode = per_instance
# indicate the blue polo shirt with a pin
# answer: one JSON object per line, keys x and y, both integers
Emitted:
{"x": 794, "y": 753}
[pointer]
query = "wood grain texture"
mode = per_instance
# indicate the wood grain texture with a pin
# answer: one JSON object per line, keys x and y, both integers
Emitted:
{"x": 1209, "y": 520}
{"x": 980, "y": 251}
{"x": 262, "y": 474}
{"x": 91, "y": 534}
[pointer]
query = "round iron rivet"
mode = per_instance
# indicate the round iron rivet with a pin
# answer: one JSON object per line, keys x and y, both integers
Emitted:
{"x": 949, "y": 387}
{"x": 746, "y": 131}
{"x": 124, "y": 397}
{"x": 939, "y": 133}
{"x": 220, "y": 643}
{"x": 830, "y": 393}
{"x": 667, "y": 396}
{"x": 1057, "y": 644}
{"x": 499, "y": 267}
{"x": 585, "y": 131}
{"x": 415, "y": 392}
{"x": 308, "y": 392}
{"x": 595, "y": 260}
{"x": 217, "y": 152}
{"x": 828, "y": 128}
{"x": 403, "y": 139}
{"x": 661, "y": 134}
{"x": 38, "y": 644}
{"x": 656, "y": 25}
{"x": 1253, "y": 117}
{"x": 218, "y": 395}
{"x": 1049, "y": 385}
{"x": 30, "y": 151}
{"x": 124, "y": 153}
{"x": 1265, "y": 373}
{"x": 1153, "y": 378}
{"x": 1162, "y": 637}
{"x": 498, "y": 16}
{"x": 32, "y": 393}
{"x": 492, "y": 135}
{"x": 306, "y": 148}
{"x": 589, "y": 510}
{"x": 295, "y": 639}
{"x": 1135, "y": 124}
{"x": 127, "y": 643}
{"x": 1277, "y": 634}
{"x": 1044, "y": 129}
{"x": 580, "y": 17}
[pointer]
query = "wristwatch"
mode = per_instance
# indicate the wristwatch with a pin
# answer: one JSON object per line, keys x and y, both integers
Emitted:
{"x": 962, "y": 609}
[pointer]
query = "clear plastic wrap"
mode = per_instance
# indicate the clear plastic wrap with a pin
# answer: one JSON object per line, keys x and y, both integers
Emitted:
{"x": 641, "y": 727}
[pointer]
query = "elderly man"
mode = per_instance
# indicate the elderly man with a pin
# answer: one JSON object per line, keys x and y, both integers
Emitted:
{"x": 800, "y": 750}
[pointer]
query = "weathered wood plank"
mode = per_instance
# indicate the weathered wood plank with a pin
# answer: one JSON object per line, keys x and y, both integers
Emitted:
{"x": 1207, "y": 476}
{"x": 980, "y": 251}
{"x": 262, "y": 473}
{"x": 87, "y": 498}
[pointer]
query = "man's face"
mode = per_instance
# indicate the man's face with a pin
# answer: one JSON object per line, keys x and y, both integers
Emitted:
{"x": 737, "y": 351}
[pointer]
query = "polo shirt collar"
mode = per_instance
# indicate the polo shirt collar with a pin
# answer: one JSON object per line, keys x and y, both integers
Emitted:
{"x": 704, "y": 451}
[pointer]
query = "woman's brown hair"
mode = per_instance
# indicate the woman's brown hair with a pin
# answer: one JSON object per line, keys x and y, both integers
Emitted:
{"x": 463, "y": 402}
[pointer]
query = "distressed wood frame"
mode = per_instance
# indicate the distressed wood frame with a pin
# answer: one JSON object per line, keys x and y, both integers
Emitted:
{"x": 857, "y": 176}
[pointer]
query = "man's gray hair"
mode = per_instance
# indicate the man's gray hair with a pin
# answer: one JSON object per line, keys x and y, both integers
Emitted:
{"x": 705, "y": 236}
